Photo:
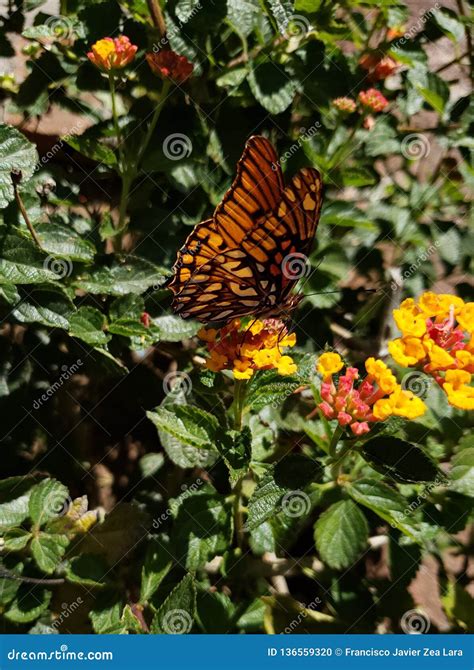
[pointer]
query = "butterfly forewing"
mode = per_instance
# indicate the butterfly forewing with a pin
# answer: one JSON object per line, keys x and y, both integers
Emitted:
{"x": 217, "y": 279}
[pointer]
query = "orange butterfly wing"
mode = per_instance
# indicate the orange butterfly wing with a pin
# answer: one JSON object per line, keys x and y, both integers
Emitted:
{"x": 214, "y": 282}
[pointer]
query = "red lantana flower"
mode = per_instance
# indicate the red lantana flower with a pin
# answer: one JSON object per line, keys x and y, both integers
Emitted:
{"x": 170, "y": 65}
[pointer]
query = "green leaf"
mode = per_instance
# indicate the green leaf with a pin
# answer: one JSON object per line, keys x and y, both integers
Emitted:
{"x": 341, "y": 534}
{"x": 89, "y": 144}
{"x": 63, "y": 242}
{"x": 88, "y": 324}
{"x": 449, "y": 23}
{"x": 282, "y": 484}
{"x": 202, "y": 527}
{"x": 462, "y": 472}
{"x": 21, "y": 262}
{"x": 436, "y": 93}
{"x": 174, "y": 328}
{"x": 9, "y": 293}
{"x": 176, "y": 614}
{"x": 156, "y": 566}
{"x": 48, "y": 499}
{"x": 48, "y": 306}
{"x": 357, "y": 176}
{"x": 235, "y": 447}
{"x": 87, "y": 569}
{"x": 48, "y": 550}
{"x": 106, "y": 617}
{"x": 16, "y": 539}
{"x": 129, "y": 275}
{"x": 14, "y": 500}
{"x": 400, "y": 460}
{"x": 16, "y": 154}
{"x": 191, "y": 426}
{"x": 29, "y": 604}
{"x": 215, "y": 612}
{"x": 272, "y": 87}
{"x": 387, "y": 503}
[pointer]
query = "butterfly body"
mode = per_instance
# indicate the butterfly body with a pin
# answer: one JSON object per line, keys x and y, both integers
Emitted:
{"x": 247, "y": 259}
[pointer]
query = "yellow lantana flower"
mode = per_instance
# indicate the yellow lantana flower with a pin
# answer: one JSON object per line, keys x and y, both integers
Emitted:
{"x": 466, "y": 317}
{"x": 329, "y": 363}
{"x": 410, "y": 324}
{"x": 457, "y": 388}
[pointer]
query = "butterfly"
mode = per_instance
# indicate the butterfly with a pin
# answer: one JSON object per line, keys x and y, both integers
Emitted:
{"x": 247, "y": 259}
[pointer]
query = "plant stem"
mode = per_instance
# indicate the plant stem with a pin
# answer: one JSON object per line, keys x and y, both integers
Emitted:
{"x": 157, "y": 16}
{"x": 334, "y": 440}
{"x": 24, "y": 214}
{"x": 118, "y": 134}
{"x": 240, "y": 390}
{"x": 152, "y": 125}
{"x": 237, "y": 513}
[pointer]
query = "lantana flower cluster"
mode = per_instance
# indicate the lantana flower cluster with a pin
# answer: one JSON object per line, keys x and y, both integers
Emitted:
{"x": 358, "y": 403}
{"x": 437, "y": 338}
{"x": 379, "y": 66}
{"x": 110, "y": 54}
{"x": 370, "y": 100}
{"x": 170, "y": 65}
{"x": 246, "y": 347}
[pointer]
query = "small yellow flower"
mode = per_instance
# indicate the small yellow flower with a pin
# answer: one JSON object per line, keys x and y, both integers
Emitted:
{"x": 266, "y": 357}
{"x": 407, "y": 404}
{"x": 411, "y": 325}
{"x": 459, "y": 394}
{"x": 382, "y": 409}
{"x": 288, "y": 341}
{"x": 257, "y": 327}
{"x": 207, "y": 334}
{"x": 286, "y": 366}
{"x": 466, "y": 317}
{"x": 439, "y": 357}
{"x": 406, "y": 351}
{"x": 375, "y": 366}
{"x": 242, "y": 369}
{"x": 434, "y": 304}
{"x": 464, "y": 358}
{"x": 329, "y": 363}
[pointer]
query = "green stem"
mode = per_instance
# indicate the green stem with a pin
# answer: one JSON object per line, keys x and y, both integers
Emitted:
{"x": 335, "y": 440}
{"x": 240, "y": 390}
{"x": 118, "y": 134}
{"x": 152, "y": 124}
{"x": 237, "y": 513}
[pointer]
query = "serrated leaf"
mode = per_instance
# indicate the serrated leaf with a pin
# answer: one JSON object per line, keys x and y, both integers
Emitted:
{"x": 130, "y": 275}
{"x": 400, "y": 460}
{"x": 387, "y": 503}
{"x": 288, "y": 476}
{"x": 202, "y": 527}
{"x": 48, "y": 550}
{"x": 89, "y": 144}
{"x": 174, "y": 329}
{"x": 176, "y": 614}
{"x": 16, "y": 539}
{"x": 341, "y": 534}
{"x": 21, "y": 262}
{"x": 88, "y": 569}
{"x": 16, "y": 154}
{"x": 29, "y": 603}
{"x": 462, "y": 472}
{"x": 106, "y": 616}
{"x": 63, "y": 242}
{"x": 47, "y": 501}
{"x": 88, "y": 324}
{"x": 190, "y": 425}
{"x": 48, "y": 306}
{"x": 14, "y": 500}
{"x": 272, "y": 87}
{"x": 157, "y": 564}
